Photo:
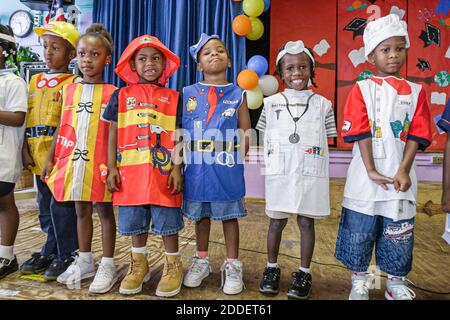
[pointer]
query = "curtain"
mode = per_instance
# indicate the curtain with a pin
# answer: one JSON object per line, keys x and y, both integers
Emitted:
{"x": 178, "y": 24}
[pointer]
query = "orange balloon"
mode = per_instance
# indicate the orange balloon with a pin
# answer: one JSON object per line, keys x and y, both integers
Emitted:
{"x": 356, "y": 4}
{"x": 247, "y": 79}
{"x": 242, "y": 25}
{"x": 447, "y": 22}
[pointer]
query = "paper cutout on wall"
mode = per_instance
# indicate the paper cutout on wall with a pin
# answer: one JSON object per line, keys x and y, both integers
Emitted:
{"x": 357, "y": 57}
{"x": 426, "y": 14}
{"x": 357, "y": 25}
{"x": 447, "y": 54}
{"x": 322, "y": 47}
{"x": 357, "y": 5}
{"x": 442, "y": 78}
{"x": 438, "y": 98}
{"x": 396, "y": 10}
{"x": 423, "y": 64}
{"x": 431, "y": 35}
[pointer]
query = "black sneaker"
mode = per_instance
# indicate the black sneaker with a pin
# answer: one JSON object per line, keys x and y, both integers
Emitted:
{"x": 301, "y": 286}
{"x": 8, "y": 266}
{"x": 56, "y": 268}
{"x": 270, "y": 281}
{"x": 36, "y": 264}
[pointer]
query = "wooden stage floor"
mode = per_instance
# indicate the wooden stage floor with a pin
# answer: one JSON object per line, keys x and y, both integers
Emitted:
{"x": 330, "y": 279}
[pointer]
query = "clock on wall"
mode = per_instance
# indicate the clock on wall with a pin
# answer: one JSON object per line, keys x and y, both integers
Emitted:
{"x": 21, "y": 23}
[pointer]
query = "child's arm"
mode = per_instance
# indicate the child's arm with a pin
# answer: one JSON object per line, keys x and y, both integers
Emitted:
{"x": 244, "y": 125}
{"x": 113, "y": 180}
{"x": 27, "y": 159}
{"x": 12, "y": 119}
{"x": 402, "y": 181}
{"x": 176, "y": 177}
{"x": 48, "y": 166}
{"x": 446, "y": 178}
{"x": 365, "y": 146}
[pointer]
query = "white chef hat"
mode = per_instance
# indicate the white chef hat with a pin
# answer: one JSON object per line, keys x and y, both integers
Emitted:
{"x": 294, "y": 47}
{"x": 383, "y": 28}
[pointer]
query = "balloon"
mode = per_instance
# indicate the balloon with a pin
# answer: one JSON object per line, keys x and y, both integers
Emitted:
{"x": 247, "y": 79}
{"x": 257, "y": 29}
{"x": 258, "y": 64}
{"x": 266, "y": 5}
{"x": 254, "y": 98}
{"x": 268, "y": 85}
{"x": 242, "y": 25}
{"x": 253, "y": 8}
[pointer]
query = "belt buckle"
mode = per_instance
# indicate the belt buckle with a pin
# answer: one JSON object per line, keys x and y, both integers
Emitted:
{"x": 208, "y": 148}
{"x": 40, "y": 130}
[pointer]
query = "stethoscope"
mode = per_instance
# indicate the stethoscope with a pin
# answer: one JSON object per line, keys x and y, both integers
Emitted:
{"x": 295, "y": 137}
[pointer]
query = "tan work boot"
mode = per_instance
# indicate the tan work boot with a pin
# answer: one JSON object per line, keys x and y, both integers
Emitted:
{"x": 172, "y": 277}
{"x": 138, "y": 273}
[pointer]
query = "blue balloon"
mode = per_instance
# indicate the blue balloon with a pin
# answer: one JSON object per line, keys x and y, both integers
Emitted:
{"x": 258, "y": 64}
{"x": 266, "y": 5}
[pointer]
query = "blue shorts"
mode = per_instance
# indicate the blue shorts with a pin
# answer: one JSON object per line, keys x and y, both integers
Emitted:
{"x": 217, "y": 210}
{"x": 393, "y": 240}
{"x": 135, "y": 220}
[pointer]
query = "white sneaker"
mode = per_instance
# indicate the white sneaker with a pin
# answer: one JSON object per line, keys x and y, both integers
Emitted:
{"x": 233, "y": 283}
{"x": 198, "y": 271}
{"x": 105, "y": 278}
{"x": 396, "y": 289}
{"x": 79, "y": 270}
{"x": 360, "y": 287}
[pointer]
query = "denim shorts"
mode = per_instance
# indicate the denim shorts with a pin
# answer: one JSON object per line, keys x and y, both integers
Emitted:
{"x": 135, "y": 220}
{"x": 217, "y": 210}
{"x": 393, "y": 240}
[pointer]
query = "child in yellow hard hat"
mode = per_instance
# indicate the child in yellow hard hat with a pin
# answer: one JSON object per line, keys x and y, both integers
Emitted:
{"x": 57, "y": 219}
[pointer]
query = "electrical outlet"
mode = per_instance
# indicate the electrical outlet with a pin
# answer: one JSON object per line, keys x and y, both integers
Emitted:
{"x": 438, "y": 159}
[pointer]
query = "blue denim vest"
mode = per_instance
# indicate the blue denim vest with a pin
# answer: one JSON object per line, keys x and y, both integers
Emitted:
{"x": 214, "y": 169}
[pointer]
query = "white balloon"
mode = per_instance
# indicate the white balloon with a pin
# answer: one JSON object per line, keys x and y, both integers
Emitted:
{"x": 254, "y": 98}
{"x": 268, "y": 85}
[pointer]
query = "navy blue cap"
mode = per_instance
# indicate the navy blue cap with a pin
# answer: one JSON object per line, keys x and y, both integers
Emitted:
{"x": 204, "y": 38}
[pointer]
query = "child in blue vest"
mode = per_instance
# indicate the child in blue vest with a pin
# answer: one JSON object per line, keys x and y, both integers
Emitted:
{"x": 213, "y": 111}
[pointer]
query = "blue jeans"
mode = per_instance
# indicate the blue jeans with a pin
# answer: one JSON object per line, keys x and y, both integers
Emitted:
{"x": 393, "y": 240}
{"x": 59, "y": 221}
{"x": 217, "y": 210}
{"x": 135, "y": 220}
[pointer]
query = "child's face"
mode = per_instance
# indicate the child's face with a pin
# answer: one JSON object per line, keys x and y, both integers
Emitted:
{"x": 213, "y": 57}
{"x": 389, "y": 56}
{"x": 149, "y": 63}
{"x": 296, "y": 71}
{"x": 57, "y": 53}
{"x": 92, "y": 56}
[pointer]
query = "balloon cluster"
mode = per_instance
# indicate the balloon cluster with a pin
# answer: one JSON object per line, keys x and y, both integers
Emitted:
{"x": 256, "y": 83}
{"x": 248, "y": 24}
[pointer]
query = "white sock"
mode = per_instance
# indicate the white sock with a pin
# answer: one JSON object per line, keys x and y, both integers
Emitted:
{"x": 272, "y": 265}
{"x": 172, "y": 253}
{"x": 142, "y": 250}
{"x": 86, "y": 256}
{"x": 7, "y": 252}
{"x": 109, "y": 261}
{"x": 306, "y": 270}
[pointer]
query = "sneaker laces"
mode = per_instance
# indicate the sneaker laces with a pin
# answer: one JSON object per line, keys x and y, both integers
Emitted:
{"x": 300, "y": 279}
{"x": 270, "y": 274}
{"x": 74, "y": 265}
{"x": 197, "y": 265}
{"x": 104, "y": 272}
{"x": 362, "y": 284}
{"x": 402, "y": 291}
{"x": 5, "y": 262}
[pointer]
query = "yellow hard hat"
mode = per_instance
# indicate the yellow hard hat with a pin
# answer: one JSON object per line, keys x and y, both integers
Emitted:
{"x": 61, "y": 29}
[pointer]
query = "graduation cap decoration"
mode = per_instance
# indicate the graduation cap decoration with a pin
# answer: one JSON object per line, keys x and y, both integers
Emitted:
{"x": 423, "y": 64}
{"x": 357, "y": 25}
{"x": 430, "y": 36}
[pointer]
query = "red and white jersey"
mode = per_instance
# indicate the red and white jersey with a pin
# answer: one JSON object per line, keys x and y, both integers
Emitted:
{"x": 391, "y": 111}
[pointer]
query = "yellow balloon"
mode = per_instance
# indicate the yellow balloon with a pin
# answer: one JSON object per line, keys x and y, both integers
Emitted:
{"x": 253, "y": 8}
{"x": 257, "y": 29}
{"x": 254, "y": 98}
